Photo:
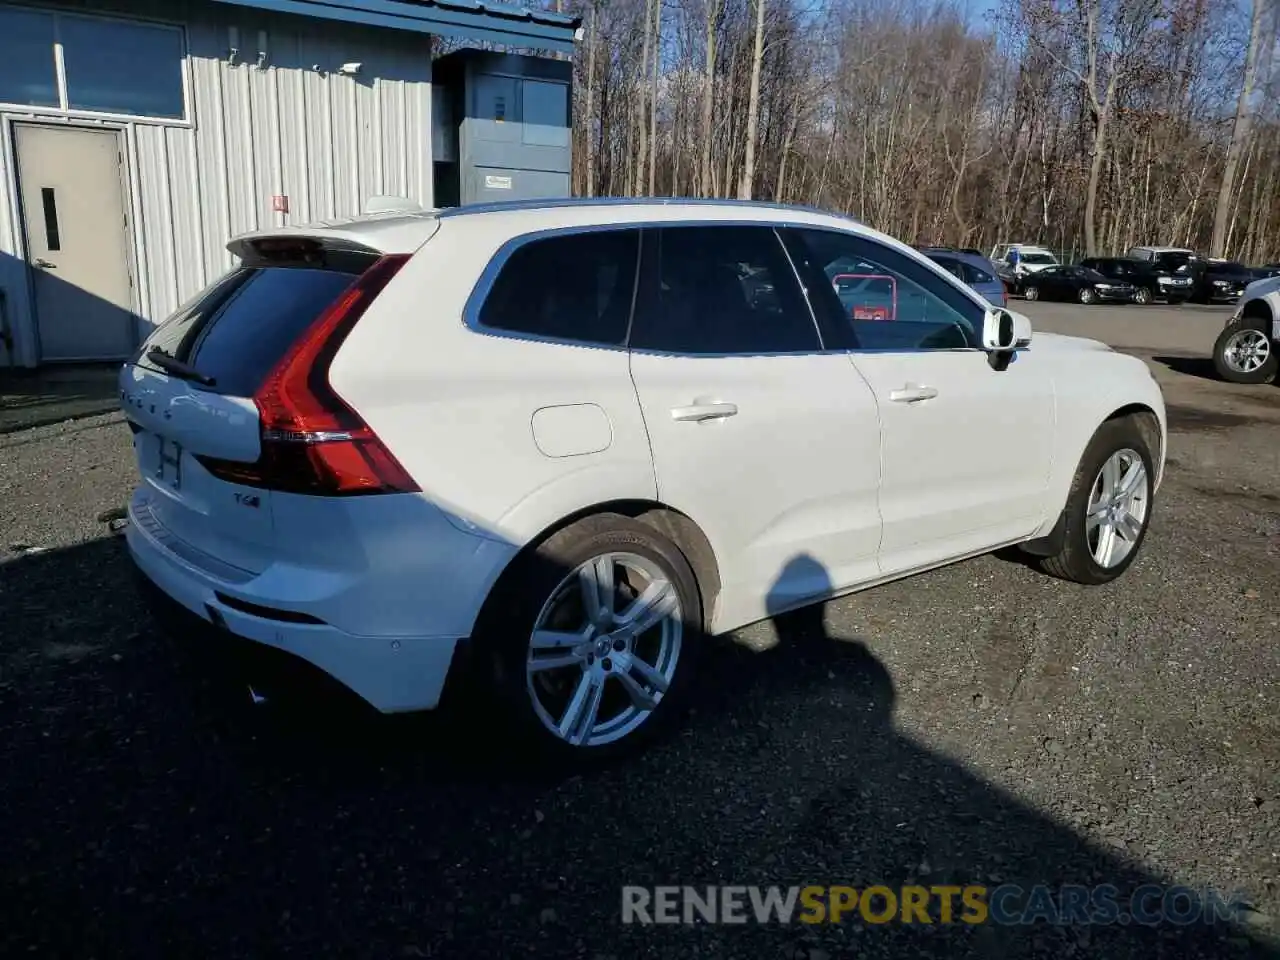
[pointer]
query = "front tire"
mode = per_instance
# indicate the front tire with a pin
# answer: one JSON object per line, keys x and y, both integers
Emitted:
{"x": 590, "y": 639}
{"x": 1109, "y": 507}
{"x": 1245, "y": 354}
{"x": 1031, "y": 293}
{"x": 1087, "y": 296}
{"x": 1143, "y": 296}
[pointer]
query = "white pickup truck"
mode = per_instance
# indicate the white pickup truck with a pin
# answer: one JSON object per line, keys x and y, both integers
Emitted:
{"x": 1248, "y": 348}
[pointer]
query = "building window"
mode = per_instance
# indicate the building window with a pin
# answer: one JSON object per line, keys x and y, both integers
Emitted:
{"x": 29, "y": 76}
{"x": 109, "y": 66}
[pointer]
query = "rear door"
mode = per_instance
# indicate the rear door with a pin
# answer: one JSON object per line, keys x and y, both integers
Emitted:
{"x": 188, "y": 396}
{"x": 766, "y": 439}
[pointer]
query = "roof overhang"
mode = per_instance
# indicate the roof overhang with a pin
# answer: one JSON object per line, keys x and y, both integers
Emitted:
{"x": 465, "y": 19}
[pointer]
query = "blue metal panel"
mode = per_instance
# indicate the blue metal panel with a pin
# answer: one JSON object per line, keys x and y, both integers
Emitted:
{"x": 496, "y": 23}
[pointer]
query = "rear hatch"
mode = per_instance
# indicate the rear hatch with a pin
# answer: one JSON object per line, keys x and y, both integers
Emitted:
{"x": 229, "y": 403}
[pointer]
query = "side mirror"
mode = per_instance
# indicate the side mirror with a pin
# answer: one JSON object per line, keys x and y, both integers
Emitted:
{"x": 1004, "y": 331}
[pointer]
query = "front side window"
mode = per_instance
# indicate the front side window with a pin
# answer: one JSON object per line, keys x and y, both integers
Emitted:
{"x": 576, "y": 287}
{"x": 882, "y": 299}
{"x": 721, "y": 290}
{"x": 109, "y": 66}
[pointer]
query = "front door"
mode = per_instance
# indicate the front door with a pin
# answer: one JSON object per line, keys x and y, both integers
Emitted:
{"x": 73, "y": 215}
{"x": 966, "y": 449}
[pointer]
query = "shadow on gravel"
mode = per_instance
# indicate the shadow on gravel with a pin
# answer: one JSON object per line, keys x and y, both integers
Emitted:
{"x": 36, "y": 398}
{"x": 148, "y": 815}
{"x": 1197, "y": 419}
{"x": 1192, "y": 366}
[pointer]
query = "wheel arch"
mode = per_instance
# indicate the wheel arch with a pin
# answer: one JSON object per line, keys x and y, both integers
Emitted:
{"x": 1258, "y": 308}
{"x": 1150, "y": 422}
{"x": 677, "y": 527}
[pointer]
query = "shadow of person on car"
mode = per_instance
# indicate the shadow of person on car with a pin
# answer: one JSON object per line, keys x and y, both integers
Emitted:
{"x": 141, "y": 823}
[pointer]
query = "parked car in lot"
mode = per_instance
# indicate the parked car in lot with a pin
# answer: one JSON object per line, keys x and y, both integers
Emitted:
{"x": 1266, "y": 271}
{"x": 1173, "y": 260}
{"x": 548, "y": 447}
{"x": 1149, "y": 282}
{"x": 1248, "y": 348}
{"x": 1220, "y": 281}
{"x": 1020, "y": 259}
{"x": 1077, "y": 283}
{"x": 973, "y": 268}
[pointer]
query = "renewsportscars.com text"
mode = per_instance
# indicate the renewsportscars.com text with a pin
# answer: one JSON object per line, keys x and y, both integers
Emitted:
{"x": 972, "y": 904}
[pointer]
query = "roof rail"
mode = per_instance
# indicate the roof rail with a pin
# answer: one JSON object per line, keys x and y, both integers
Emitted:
{"x": 501, "y": 206}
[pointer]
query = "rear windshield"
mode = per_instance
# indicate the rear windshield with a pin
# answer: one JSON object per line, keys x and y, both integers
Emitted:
{"x": 1038, "y": 258}
{"x": 244, "y": 324}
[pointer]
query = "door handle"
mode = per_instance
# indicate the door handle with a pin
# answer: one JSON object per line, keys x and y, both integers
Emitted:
{"x": 44, "y": 264}
{"x": 912, "y": 394}
{"x": 704, "y": 411}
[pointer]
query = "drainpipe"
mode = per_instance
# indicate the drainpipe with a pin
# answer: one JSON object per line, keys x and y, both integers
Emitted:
{"x": 6, "y": 332}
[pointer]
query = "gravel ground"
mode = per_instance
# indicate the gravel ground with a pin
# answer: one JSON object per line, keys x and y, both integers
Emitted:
{"x": 979, "y": 724}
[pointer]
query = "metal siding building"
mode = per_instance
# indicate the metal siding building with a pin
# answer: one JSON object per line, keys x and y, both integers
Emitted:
{"x": 271, "y": 132}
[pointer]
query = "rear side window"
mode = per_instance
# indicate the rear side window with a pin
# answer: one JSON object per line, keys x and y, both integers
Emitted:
{"x": 245, "y": 323}
{"x": 973, "y": 274}
{"x": 577, "y": 288}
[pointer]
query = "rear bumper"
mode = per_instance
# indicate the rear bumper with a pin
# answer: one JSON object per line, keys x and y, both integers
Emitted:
{"x": 392, "y": 674}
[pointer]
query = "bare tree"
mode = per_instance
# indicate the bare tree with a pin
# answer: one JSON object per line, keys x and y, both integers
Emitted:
{"x": 1240, "y": 129}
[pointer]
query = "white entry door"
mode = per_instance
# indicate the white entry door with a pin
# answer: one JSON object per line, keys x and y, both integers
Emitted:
{"x": 73, "y": 216}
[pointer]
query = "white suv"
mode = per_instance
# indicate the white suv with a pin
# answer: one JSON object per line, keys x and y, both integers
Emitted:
{"x": 572, "y": 438}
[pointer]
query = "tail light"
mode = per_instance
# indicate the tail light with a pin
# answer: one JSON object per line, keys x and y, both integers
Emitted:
{"x": 312, "y": 441}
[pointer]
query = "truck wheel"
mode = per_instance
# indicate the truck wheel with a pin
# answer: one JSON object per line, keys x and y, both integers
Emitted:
{"x": 1245, "y": 354}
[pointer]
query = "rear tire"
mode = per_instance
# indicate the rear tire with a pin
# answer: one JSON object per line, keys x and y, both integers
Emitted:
{"x": 1031, "y": 293}
{"x": 612, "y": 691}
{"x": 1245, "y": 354}
{"x": 1143, "y": 296}
{"x": 1109, "y": 507}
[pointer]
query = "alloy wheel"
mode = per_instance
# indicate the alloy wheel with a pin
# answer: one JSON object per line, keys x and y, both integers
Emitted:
{"x": 1119, "y": 501}
{"x": 604, "y": 649}
{"x": 1246, "y": 351}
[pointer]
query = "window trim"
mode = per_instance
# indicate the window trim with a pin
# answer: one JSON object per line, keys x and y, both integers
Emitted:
{"x": 64, "y": 110}
{"x": 497, "y": 260}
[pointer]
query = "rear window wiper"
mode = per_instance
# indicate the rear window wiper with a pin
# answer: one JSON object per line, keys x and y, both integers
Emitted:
{"x": 171, "y": 364}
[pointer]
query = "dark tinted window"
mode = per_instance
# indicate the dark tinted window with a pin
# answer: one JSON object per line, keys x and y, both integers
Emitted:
{"x": 247, "y": 322}
{"x": 721, "y": 289}
{"x": 576, "y": 287}
{"x": 118, "y": 67}
{"x": 950, "y": 265}
{"x": 880, "y": 298}
{"x": 975, "y": 274}
{"x": 27, "y": 72}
